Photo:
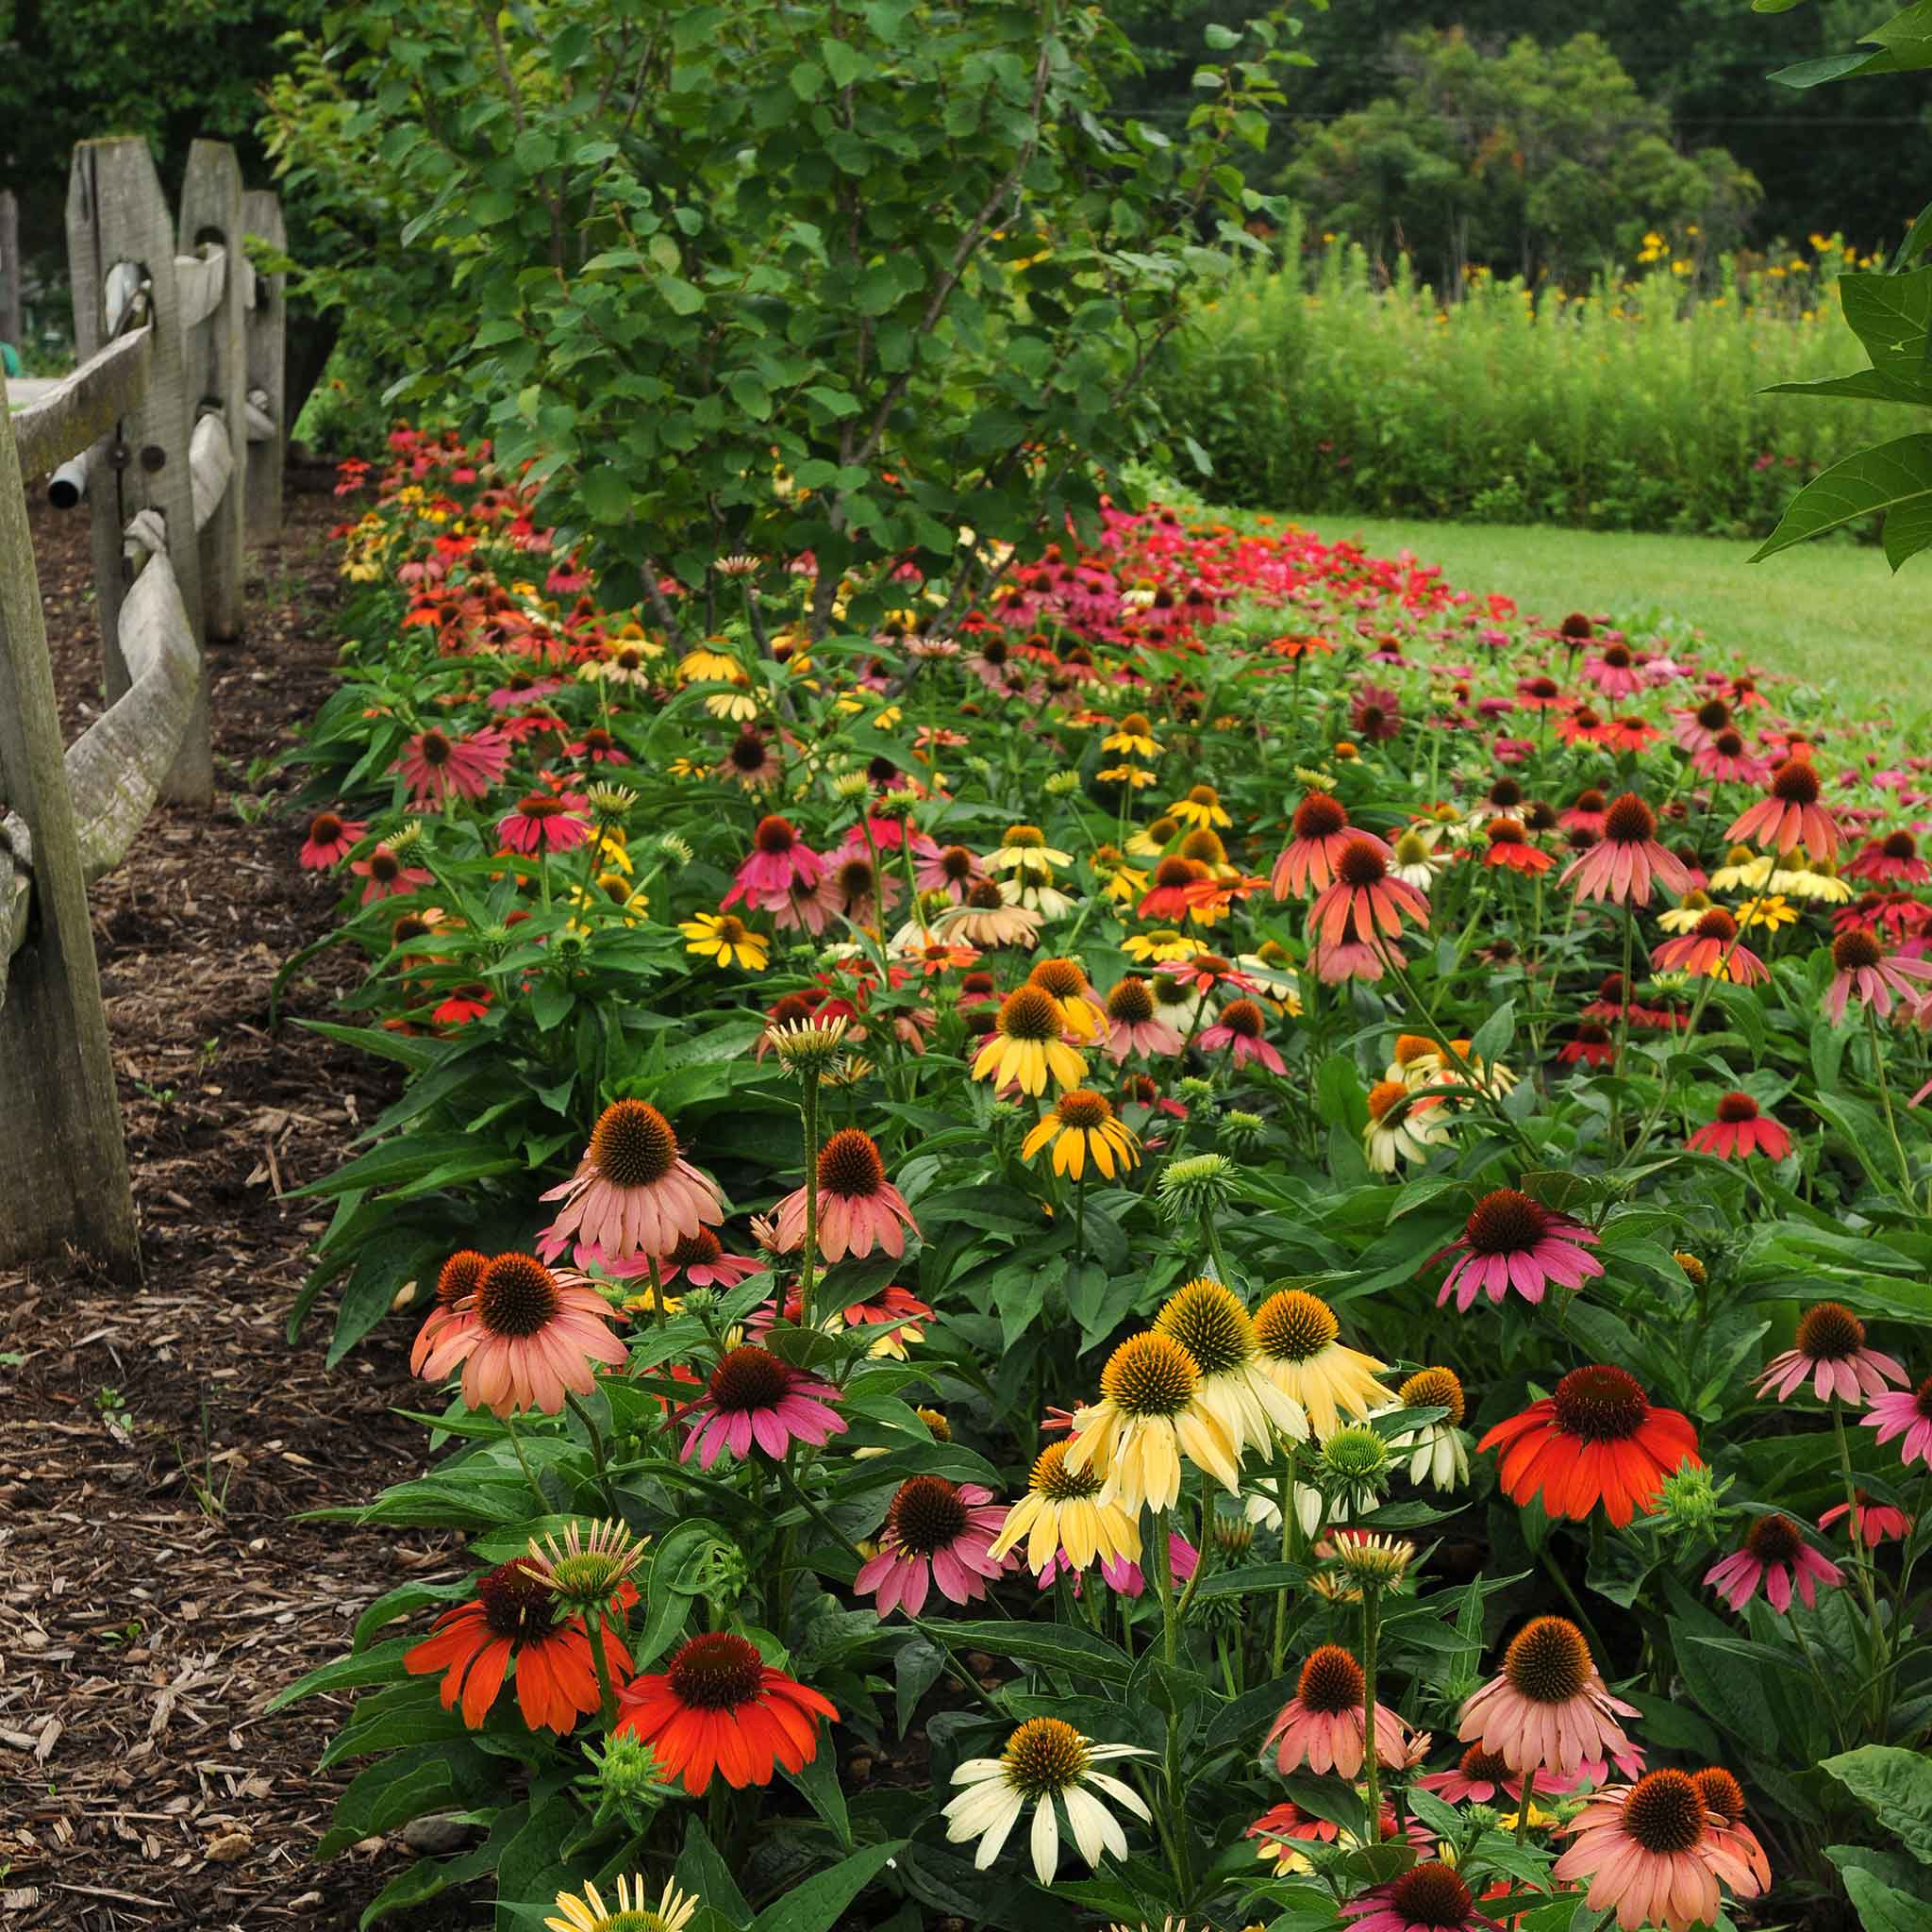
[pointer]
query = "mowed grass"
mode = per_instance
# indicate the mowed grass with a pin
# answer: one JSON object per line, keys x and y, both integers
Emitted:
{"x": 1831, "y": 614}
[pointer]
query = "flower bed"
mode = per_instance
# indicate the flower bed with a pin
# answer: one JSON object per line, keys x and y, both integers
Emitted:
{"x": 1216, "y": 1218}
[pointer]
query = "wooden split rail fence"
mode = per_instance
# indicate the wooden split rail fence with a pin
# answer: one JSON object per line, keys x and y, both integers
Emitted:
{"x": 170, "y": 429}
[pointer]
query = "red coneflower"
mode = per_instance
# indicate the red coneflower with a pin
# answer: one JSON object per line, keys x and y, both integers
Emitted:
{"x": 858, "y": 1208}
{"x": 1595, "y": 1440}
{"x": 1548, "y": 1708}
{"x": 1376, "y": 713}
{"x": 1585, "y": 813}
{"x": 436, "y": 766}
{"x": 778, "y": 865}
{"x": 633, "y": 1192}
{"x": 1865, "y": 971}
{"x": 1582, "y": 726}
{"x": 1628, "y": 734}
{"x": 1892, "y": 860}
{"x": 1712, "y": 949}
{"x": 1363, "y": 902}
{"x": 1511, "y": 1240}
{"x": 1791, "y": 815}
{"x": 1177, "y": 883}
{"x": 1775, "y": 1555}
{"x": 386, "y": 874}
{"x": 544, "y": 822}
{"x": 1591, "y": 1043}
{"x": 1614, "y": 672}
{"x": 331, "y": 837}
{"x": 1509, "y": 844}
{"x": 1318, "y": 832}
{"x": 1540, "y": 694}
{"x": 1624, "y": 863}
{"x": 598, "y": 747}
{"x": 1740, "y": 1129}
{"x": 1831, "y": 1355}
{"x": 717, "y": 1704}
{"x": 1872, "y": 1523}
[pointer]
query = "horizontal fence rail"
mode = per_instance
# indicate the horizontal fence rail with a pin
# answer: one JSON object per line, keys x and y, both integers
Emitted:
{"x": 170, "y": 430}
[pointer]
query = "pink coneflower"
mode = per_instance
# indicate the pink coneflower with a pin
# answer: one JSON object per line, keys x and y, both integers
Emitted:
{"x": 1548, "y": 1708}
{"x": 530, "y": 1337}
{"x": 456, "y": 1282}
{"x": 1614, "y": 672}
{"x": 855, "y": 887}
{"x": 1656, "y": 1852}
{"x": 1322, "y": 1724}
{"x": 1375, "y": 715}
{"x": 858, "y": 1208}
{"x": 387, "y": 876}
{"x": 778, "y": 865}
{"x": 1890, "y": 860}
{"x": 436, "y": 767}
{"x": 1479, "y": 1776}
{"x": 1511, "y": 1240}
{"x": 633, "y": 1193}
{"x": 1776, "y": 1556}
{"x": 330, "y": 839}
{"x": 1868, "y": 974}
{"x": 1242, "y": 1029}
{"x": 1905, "y": 1413}
{"x": 1726, "y": 761}
{"x": 598, "y": 747}
{"x": 521, "y": 689}
{"x": 752, "y": 1397}
{"x": 1319, "y": 831}
{"x": 1206, "y": 972}
{"x": 1431, "y": 1896}
{"x": 1711, "y": 948}
{"x": 1791, "y": 815}
{"x": 1625, "y": 862}
{"x": 1831, "y": 1355}
{"x": 1134, "y": 1023}
{"x": 1363, "y": 900}
{"x": 952, "y": 869}
{"x": 544, "y": 822}
{"x": 1872, "y": 1523}
{"x": 1698, "y": 727}
{"x": 700, "y": 1259}
{"x": 1739, "y": 1130}
{"x": 935, "y": 1532}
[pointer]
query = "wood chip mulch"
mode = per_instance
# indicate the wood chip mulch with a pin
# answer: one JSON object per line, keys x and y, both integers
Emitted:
{"x": 159, "y": 1439}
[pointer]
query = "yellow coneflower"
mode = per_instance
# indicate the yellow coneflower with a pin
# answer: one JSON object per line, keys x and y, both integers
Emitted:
{"x": 1135, "y": 734}
{"x": 1063, "y": 1512}
{"x": 1161, "y": 944}
{"x": 1027, "y": 1046}
{"x": 609, "y": 894}
{"x": 1026, "y": 846}
{"x": 701, "y": 665}
{"x": 1296, "y": 1333}
{"x": 1208, "y": 1320}
{"x": 727, "y": 939}
{"x": 1065, "y": 982}
{"x": 1152, "y": 841}
{"x": 587, "y": 1912}
{"x": 1083, "y": 1127}
{"x": 1818, "y": 881}
{"x": 1148, "y": 1416}
{"x": 1202, "y": 807}
{"x": 1683, "y": 917}
{"x": 1135, "y": 777}
{"x": 1742, "y": 870}
{"x": 734, "y": 706}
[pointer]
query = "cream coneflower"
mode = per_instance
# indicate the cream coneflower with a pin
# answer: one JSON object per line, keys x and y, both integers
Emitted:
{"x": 1402, "y": 1127}
{"x": 1548, "y": 1708}
{"x": 1147, "y": 1417}
{"x": 986, "y": 918}
{"x": 1083, "y": 1127}
{"x": 1296, "y": 1333}
{"x": 1025, "y": 1045}
{"x": 632, "y": 1194}
{"x": 1438, "y": 1451}
{"x": 1063, "y": 1512}
{"x": 1208, "y": 1320}
{"x": 587, "y": 1912}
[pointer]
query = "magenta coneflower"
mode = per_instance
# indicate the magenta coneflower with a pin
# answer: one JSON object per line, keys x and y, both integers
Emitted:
{"x": 1890, "y": 860}
{"x": 386, "y": 874}
{"x": 1868, "y": 974}
{"x": 1318, "y": 832}
{"x": 633, "y": 1193}
{"x": 1134, "y": 1023}
{"x": 1740, "y": 1129}
{"x": 1363, "y": 900}
{"x": 1710, "y": 949}
{"x": 701, "y": 1259}
{"x": 1831, "y": 1355}
{"x": 858, "y": 1208}
{"x": 1322, "y": 1724}
{"x": 752, "y": 1397}
{"x": 1872, "y": 1523}
{"x": 598, "y": 747}
{"x": 1548, "y": 1708}
{"x": 436, "y": 766}
{"x": 1776, "y": 1556}
{"x": 544, "y": 822}
{"x": 1699, "y": 727}
{"x": 1791, "y": 815}
{"x": 1375, "y": 715}
{"x": 778, "y": 865}
{"x": 1907, "y": 1414}
{"x": 330, "y": 839}
{"x": 1242, "y": 1029}
{"x": 1511, "y": 1240}
{"x": 936, "y": 1532}
{"x": 1624, "y": 863}
{"x": 1431, "y": 1896}
{"x": 1479, "y": 1776}
{"x": 1614, "y": 672}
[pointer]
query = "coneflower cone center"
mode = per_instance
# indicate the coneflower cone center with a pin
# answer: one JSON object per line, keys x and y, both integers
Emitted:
{"x": 1504, "y": 793}
{"x": 717, "y": 1672}
{"x": 434, "y": 747}
{"x": 748, "y": 752}
{"x": 1548, "y": 1661}
{"x": 541, "y": 805}
{"x": 1665, "y": 1813}
{"x": 774, "y": 837}
{"x": 1900, "y": 846}
{"x": 1411, "y": 849}
{"x": 1829, "y": 1332}
{"x": 926, "y": 1515}
{"x": 1360, "y": 865}
{"x": 1081, "y": 1108}
{"x": 1729, "y": 743}
{"x": 1851, "y": 952}
{"x": 1208, "y": 1320}
{"x": 1130, "y": 1003}
{"x": 1023, "y": 839}
{"x": 1063, "y": 979}
{"x": 1177, "y": 871}
{"x": 1505, "y": 1223}
{"x": 1243, "y": 1017}
{"x": 1331, "y": 1682}
{"x": 956, "y": 863}
{"x": 1600, "y": 1404}
{"x": 1318, "y": 816}
{"x": 460, "y": 1276}
{"x": 1434, "y": 1388}
{"x": 1044, "y": 1755}
{"x": 1150, "y": 1375}
{"x": 1922, "y": 1398}
{"x": 1483, "y": 1767}
{"x": 1029, "y": 1014}
{"x": 1774, "y": 1540}
{"x": 1796, "y": 783}
{"x": 1054, "y": 1480}
{"x": 516, "y": 1296}
{"x": 1629, "y": 821}
{"x": 696, "y": 1249}
{"x": 1292, "y": 1325}
{"x": 1507, "y": 832}
{"x": 856, "y": 878}
{"x": 632, "y": 1145}
{"x": 384, "y": 865}
{"x": 984, "y": 896}
{"x": 324, "y": 828}
{"x": 850, "y": 1167}
{"x": 1717, "y": 924}
{"x": 1721, "y": 1792}
{"x": 1735, "y": 1109}
{"x": 515, "y": 1604}
{"x": 749, "y": 1377}
{"x": 1431, "y": 1894}
{"x": 1713, "y": 714}
{"x": 1384, "y": 1096}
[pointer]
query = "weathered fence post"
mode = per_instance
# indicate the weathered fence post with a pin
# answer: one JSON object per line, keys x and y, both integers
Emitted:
{"x": 10, "y": 268}
{"x": 268, "y": 389}
{"x": 63, "y": 1166}
{"x": 214, "y": 358}
{"x": 116, "y": 214}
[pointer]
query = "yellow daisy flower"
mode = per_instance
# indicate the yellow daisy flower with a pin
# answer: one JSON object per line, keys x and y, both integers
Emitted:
{"x": 1083, "y": 1127}
{"x": 1136, "y": 776}
{"x": 1774, "y": 912}
{"x": 1296, "y": 1334}
{"x": 587, "y": 1912}
{"x": 1148, "y": 1416}
{"x": 1684, "y": 916}
{"x": 1026, "y": 1045}
{"x": 1062, "y": 1511}
{"x": 1161, "y": 944}
{"x": 1742, "y": 869}
{"x": 1202, "y": 807}
{"x": 727, "y": 939}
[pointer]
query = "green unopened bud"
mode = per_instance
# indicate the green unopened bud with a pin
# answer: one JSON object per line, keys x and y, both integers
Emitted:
{"x": 1241, "y": 1129}
{"x": 1062, "y": 784}
{"x": 1354, "y": 1455}
{"x": 1692, "y": 1502}
{"x": 848, "y": 786}
{"x": 1199, "y": 1185}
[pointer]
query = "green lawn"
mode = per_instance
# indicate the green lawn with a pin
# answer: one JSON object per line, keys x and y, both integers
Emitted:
{"x": 1829, "y": 613}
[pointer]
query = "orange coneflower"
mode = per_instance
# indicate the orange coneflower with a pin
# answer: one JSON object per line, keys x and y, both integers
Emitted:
{"x": 1791, "y": 814}
{"x": 454, "y": 1283}
{"x": 1628, "y": 860}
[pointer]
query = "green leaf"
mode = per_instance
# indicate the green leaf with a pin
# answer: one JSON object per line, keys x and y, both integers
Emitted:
{"x": 1880, "y": 1907}
{"x": 1048, "y": 1646}
{"x": 1897, "y": 1784}
{"x": 1891, "y": 479}
{"x": 818, "y": 1904}
{"x": 606, "y": 491}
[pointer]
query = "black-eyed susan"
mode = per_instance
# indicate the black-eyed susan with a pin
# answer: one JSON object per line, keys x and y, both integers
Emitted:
{"x": 1083, "y": 1128}
{"x": 1063, "y": 1512}
{"x": 725, "y": 937}
{"x": 1207, "y": 1318}
{"x": 1148, "y": 1416}
{"x": 1160, "y": 945}
{"x": 1025, "y": 1045}
{"x": 1296, "y": 1333}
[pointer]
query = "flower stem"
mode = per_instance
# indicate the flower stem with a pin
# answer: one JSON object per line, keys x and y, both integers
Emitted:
{"x": 607, "y": 1697}
{"x": 1905, "y": 1168}
{"x": 1371, "y": 1757}
{"x": 808, "y": 1112}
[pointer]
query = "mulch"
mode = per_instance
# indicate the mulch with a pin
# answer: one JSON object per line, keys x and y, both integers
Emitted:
{"x": 160, "y": 1439}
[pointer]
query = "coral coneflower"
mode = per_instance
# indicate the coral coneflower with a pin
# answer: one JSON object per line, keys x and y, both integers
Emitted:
{"x": 1478, "y": 1776}
{"x": 1025, "y": 1045}
{"x": 1776, "y": 1557}
{"x": 1241, "y": 1032}
{"x": 717, "y": 1704}
{"x": 1712, "y": 949}
{"x": 386, "y": 874}
{"x": 1548, "y": 1709}
{"x": 436, "y": 767}
{"x": 1364, "y": 902}
{"x": 1318, "y": 832}
{"x": 1149, "y": 1414}
{"x": 1322, "y": 1724}
{"x": 1831, "y": 1355}
{"x": 633, "y": 1193}
{"x": 1511, "y": 1240}
{"x": 752, "y": 1397}
{"x": 1741, "y": 1128}
{"x": 1063, "y": 1513}
{"x": 1296, "y": 1334}
{"x": 456, "y": 1282}
{"x": 544, "y": 822}
{"x": 701, "y": 1259}
{"x": 1134, "y": 1024}
{"x": 1865, "y": 971}
{"x": 1899, "y": 1413}
{"x": 858, "y": 1208}
{"x": 1791, "y": 815}
{"x": 1596, "y": 1439}
{"x": 936, "y": 1532}
{"x": 330, "y": 839}
{"x": 1628, "y": 860}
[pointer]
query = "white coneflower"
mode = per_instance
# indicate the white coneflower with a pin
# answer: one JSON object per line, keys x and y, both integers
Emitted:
{"x": 1438, "y": 1451}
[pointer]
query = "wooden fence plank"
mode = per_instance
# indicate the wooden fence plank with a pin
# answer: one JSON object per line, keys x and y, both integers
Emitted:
{"x": 216, "y": 360}
{"x": 86, "y": 405}
{"x": 266, "y": 327}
